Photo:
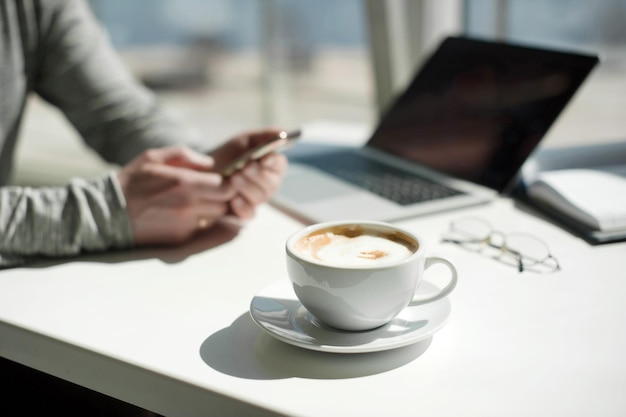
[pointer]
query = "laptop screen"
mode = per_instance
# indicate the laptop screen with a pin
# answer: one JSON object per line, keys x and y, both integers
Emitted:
{"x": 477, "y": 109}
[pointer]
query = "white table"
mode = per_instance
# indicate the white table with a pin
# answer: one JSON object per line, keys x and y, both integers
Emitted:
{"x": 169, "y": 330}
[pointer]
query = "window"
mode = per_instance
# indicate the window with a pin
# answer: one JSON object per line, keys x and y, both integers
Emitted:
{"x": 228, "y": 65}
{"x": 232, "y": 65}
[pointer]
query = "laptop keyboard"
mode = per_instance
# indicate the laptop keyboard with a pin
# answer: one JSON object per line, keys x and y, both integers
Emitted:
{"x": 388, "y": 182}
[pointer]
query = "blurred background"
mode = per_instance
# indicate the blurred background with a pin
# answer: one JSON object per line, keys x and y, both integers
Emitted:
{"x": 232, "y": 65}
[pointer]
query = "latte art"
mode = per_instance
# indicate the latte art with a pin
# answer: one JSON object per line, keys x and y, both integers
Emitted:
{"x": 353, "y": 249}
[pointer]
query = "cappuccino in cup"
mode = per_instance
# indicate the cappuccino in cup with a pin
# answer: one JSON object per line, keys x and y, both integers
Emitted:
{"x": 359, "y": 275}
{"x": 355, "y": 245}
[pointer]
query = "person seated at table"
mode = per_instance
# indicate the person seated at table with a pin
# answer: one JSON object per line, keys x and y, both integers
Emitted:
{"x": 168, "y": 186}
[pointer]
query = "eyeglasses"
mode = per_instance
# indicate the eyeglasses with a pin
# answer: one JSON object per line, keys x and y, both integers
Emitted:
{"x": 525, "y": 252}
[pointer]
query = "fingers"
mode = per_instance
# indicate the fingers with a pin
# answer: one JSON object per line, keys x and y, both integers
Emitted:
{"x": 187, "y": 184}
{"x": 169, "y": 204}
{"x": 256, "y": 183}
{"x": 171, "y": 193}
{"x": 208, "y": 213}
{"x": 179, "y": 156}
{"x": 231, "y": 149}
{"x": 164, "y": 223}
{"x": 206, "y": 186}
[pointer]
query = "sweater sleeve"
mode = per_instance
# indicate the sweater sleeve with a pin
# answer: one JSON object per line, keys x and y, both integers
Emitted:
{"x": 86, "y": 215}
{"x": 79, "y": 72}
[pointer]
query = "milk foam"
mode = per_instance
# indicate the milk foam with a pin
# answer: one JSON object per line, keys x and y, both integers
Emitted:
{"x": 360, "y": 250}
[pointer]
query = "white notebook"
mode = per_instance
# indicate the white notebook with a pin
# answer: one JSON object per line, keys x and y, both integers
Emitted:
{"x": 595, "y": 197}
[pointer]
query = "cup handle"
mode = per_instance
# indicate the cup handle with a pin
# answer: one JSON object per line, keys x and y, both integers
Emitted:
{"x": 430, "y": 261}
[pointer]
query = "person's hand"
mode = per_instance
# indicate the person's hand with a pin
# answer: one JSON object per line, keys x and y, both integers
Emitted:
{"x": 171, "y": 194}
{"x": 258, "y": 180}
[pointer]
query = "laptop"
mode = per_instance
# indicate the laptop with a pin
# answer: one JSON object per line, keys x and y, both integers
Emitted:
{"x": 457, "y": 136}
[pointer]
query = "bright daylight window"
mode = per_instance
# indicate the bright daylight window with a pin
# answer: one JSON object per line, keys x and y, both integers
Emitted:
{"x": 230, "y": 65}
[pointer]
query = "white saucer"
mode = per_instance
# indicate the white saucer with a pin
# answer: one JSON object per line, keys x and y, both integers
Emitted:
{"x": 277, "y": 311}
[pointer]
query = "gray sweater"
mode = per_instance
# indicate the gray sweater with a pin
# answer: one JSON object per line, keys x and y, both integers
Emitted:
{"x": 56, "y": 49}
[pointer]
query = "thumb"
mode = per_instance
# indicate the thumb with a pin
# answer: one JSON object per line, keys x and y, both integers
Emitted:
{"x": 187, "y": 158}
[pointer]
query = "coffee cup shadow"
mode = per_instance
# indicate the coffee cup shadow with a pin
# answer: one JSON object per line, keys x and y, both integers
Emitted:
{"x": 243, "y": 350}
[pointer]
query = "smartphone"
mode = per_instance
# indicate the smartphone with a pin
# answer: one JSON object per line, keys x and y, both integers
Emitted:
{"x": 281, "y": 141}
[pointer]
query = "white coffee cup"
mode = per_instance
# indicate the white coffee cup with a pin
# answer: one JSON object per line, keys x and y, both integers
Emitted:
{"x": 359, "y": 275}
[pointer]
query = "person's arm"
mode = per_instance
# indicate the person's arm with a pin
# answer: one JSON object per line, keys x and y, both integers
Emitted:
{"x": 62, "y": 221}
{"x": 171, "y": 188}
{"x": 79, "y": 72}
